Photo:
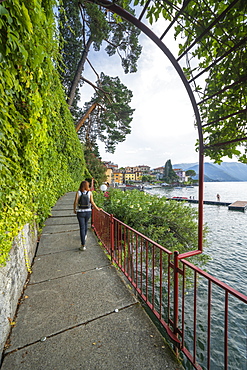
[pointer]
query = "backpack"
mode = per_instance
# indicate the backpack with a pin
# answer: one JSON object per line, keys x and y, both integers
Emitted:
{"x": 83, "y": 201}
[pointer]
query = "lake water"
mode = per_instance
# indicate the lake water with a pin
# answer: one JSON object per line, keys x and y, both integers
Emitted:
{"x": 227, "y": 230}
{"x": 228, "y": 251}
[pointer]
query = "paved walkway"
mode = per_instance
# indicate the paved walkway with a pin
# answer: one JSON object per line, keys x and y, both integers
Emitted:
{"x": 77, "y": 312}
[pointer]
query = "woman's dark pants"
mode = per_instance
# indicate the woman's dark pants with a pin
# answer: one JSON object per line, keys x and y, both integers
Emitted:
{"x": 83, "y": 218}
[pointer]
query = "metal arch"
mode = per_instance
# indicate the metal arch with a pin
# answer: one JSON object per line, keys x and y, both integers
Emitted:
{"x": 130, "y": 18}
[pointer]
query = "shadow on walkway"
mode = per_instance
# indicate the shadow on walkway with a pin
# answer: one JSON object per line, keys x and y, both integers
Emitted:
{"x": 76, "y": 311}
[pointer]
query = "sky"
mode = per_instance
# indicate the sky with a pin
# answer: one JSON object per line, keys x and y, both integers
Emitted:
{"x": 163, "y": 121}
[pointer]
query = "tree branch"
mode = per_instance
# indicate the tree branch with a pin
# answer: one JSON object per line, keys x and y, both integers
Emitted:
{"x": 78, "y": 73}
{"x": 93, "y": 68}
{"x": 86, "y": 115}
{"x": 94, "y": 86}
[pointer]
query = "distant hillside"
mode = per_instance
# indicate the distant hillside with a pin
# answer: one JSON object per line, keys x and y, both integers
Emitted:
{"x": 226, "y": 171}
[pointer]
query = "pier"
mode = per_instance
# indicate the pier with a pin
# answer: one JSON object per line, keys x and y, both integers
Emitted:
{"x": 238, "y": 206}
{"x": 210, "y": 202}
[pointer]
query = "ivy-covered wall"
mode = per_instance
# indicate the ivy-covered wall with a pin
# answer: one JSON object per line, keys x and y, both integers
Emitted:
{"x": 41, "y": 157}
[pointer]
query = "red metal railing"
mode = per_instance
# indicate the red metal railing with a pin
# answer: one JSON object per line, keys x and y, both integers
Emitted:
{"x": 199, "y": 312}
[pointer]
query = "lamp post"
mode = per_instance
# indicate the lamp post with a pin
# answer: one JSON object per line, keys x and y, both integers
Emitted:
{"x": 103, "y": 187}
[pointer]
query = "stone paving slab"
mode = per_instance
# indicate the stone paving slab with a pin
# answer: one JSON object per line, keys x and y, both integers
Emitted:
{"x": 56, "y": 221}
{"x": 60, "y": 228}
{"x": 112, "y": 342}
{"x": 49, "y": 267}
{"x": 65, "y": 201}
{"x": 56, "y": 305}
{"x": 68, "y": 197}
{"x": 52, "y": 243}
{"x": 65, "y": 205}
{"x": 62, "y": 213}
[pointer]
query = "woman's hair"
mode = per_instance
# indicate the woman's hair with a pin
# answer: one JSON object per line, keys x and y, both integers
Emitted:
{"x": 84, "y": 186}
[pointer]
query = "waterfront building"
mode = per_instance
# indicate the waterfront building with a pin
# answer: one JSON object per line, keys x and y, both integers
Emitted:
{"x": 181, "y": 174}
{"x": 118, "y": 177}
{"x": 130, "y": 169}
{"x": 129, "y": 176}
{"x": 109, "y": 174}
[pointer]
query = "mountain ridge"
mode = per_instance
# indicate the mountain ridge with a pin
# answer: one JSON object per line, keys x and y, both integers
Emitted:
{"x": 226, "y": 171}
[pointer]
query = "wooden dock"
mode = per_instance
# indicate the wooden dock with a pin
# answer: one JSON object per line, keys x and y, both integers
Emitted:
{"x": 210, "y": 202}
{"x": 239, "y": 205}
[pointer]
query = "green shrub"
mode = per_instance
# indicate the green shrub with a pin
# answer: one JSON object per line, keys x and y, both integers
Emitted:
{"x": 171, "y": 224}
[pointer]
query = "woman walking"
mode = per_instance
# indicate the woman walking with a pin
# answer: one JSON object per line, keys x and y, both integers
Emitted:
{"x": 83, "y": 209}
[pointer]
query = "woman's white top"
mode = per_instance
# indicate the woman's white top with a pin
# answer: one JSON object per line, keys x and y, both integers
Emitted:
{"x": 86, "y": 209}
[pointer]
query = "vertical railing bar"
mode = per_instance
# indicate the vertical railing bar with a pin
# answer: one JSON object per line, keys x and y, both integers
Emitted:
{"x": 209, "y": 323}
{"x": 226, "y": 332}
{"x": 111, "y": 236}
{"x": 107, "y": 237}
{"x": 121, "y": 246}
{"x": 119, "y": 230}
{"x": 127, "y": 251}
{"x": 195, "y": 312}
{"x": 124, "y": 247}
{"x": 146, "y": 270}
{"x": 168, "y": 288}
{"x": 153, "y": 276}
{"x": 115, "y": 240}
{"x": 183, "y": 304}
{"x": 175, "y": 296}
{"x": 136, "y": 254}
{"x": 161, "y": 282}
{"x": 141, "y": 255}
{"x": 118, "y": 242}
{"x": 131, "y": 255}
{"x": 119, "y": 235}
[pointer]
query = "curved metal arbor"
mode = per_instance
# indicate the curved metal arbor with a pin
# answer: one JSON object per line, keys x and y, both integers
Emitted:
{"x": 227, "y": 51}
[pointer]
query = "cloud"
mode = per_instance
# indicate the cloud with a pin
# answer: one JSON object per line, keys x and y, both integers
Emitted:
{"x": 163, "y": 121}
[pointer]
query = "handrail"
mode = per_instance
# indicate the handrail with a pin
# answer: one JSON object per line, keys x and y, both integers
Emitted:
{"x": 157, "y": 279}
{"x": 216, "y": 281}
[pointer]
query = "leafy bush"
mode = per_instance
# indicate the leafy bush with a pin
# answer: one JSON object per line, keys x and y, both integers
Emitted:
{"x": 171, "y": 224}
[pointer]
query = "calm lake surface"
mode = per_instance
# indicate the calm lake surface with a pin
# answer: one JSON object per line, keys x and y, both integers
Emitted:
{"x": 227, "y": 239}
{"x": 227, "y": 230}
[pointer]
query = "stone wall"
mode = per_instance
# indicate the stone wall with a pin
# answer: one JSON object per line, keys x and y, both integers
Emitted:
{"x": 13, "y": 277}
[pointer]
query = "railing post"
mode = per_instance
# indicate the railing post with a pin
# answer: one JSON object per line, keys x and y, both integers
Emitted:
{"x": 200, "y": 202}
{"x": 111, "y": 235}
{"x": 176, "y": 293}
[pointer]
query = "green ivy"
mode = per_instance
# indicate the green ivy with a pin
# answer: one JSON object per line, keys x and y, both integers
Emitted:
{"x": 41, "y": 156}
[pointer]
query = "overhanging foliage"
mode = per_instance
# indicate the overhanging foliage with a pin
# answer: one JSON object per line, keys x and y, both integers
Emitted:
{"x": 214, "y": 49}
